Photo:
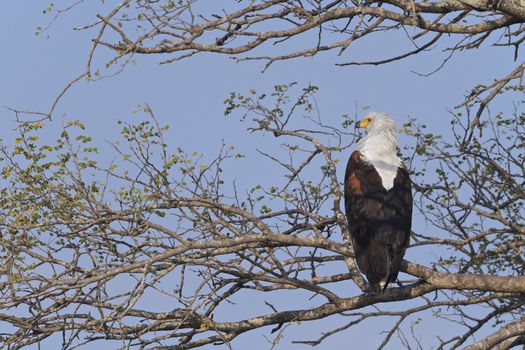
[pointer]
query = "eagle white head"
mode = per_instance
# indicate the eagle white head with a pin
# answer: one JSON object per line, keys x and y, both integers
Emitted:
{"x": 379, "y": 125}
{"x": 379, "y": 146}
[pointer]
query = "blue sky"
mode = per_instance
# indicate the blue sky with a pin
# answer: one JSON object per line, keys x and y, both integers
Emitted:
{"x": 189, "y": 94}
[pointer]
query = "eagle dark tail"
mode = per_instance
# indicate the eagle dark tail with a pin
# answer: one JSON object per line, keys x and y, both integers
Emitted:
{"x": 375, "y": 263}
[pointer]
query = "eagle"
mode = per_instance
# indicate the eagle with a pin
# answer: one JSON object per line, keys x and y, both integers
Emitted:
{"x": 378, "y": 202}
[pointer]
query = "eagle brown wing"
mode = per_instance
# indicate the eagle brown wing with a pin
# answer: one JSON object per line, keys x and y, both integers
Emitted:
{"x": 379, "y": 220}
{"x": 401, "y": 196}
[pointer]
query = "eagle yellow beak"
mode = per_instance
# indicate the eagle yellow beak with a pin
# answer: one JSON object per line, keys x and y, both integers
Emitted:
{"x": 364, "y": 123}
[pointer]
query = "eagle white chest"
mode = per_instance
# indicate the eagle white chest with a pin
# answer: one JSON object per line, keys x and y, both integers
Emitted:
{"x": 380, "y": 151}
{"x": 386, "y": 166}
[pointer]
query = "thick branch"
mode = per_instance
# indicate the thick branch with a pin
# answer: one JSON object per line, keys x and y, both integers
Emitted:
{"x": 510, "y": 330}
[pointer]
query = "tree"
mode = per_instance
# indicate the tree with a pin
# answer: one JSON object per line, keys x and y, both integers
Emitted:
{"x": 85, "y": 246}
{"x": 177, "y": 30}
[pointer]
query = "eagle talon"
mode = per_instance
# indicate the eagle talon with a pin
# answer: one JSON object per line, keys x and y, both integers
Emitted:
{"x": 375, "y": 289}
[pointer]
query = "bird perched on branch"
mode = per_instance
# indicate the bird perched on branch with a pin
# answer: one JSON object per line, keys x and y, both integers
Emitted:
{"x": 378, "y": 202}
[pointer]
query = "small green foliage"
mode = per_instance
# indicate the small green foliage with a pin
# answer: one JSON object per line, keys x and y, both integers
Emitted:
{"x": 48, "y": 9}
{"x": 283, "y": 105}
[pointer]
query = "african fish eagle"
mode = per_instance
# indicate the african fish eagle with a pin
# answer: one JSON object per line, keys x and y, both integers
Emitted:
{"x": 378, "y": 202}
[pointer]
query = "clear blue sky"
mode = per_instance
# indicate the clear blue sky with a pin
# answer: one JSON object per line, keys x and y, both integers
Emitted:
{"x": 189, "y": 95}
